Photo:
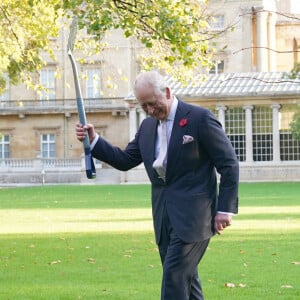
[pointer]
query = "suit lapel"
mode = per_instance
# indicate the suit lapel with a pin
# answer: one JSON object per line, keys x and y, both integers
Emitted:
{"x": 152, "y": 138}
{"x": 176, "y": 136}
{"x": 149, "y": 138}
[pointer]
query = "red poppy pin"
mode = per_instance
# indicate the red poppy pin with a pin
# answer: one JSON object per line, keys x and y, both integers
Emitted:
{"x": 183, "y": 122}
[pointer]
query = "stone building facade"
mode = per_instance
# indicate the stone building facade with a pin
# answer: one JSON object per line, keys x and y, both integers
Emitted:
{"x": 247, "y": 90}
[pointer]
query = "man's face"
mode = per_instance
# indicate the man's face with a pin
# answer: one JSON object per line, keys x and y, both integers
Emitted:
{"x": 157, "y": 106}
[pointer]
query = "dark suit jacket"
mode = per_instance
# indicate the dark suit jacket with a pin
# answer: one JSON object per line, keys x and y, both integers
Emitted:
{"x": 190, "y": 193}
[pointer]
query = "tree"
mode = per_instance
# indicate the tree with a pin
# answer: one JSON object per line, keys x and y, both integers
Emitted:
{"x": 295, "y": 125}
{"x": 25, "y": 30}
{"x": 293, "y": 75}
{"x": 176, "y": 31}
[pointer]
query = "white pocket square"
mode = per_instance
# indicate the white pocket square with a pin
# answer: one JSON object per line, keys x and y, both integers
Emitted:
{"x": 187, "y": 139}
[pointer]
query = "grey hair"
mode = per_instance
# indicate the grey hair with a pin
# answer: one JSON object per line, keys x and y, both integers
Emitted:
{"x": 151, "y": 79}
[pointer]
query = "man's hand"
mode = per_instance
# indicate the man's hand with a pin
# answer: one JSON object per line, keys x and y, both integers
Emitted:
{"x": 222, "y": 221}
{"x": 81, "y": 131}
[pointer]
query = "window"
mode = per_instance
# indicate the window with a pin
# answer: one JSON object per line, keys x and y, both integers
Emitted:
{"x": 5, "y": 95}
{"x": 217, "y": 68}
{"x": 217, "y": 22}
{"x": 48, "y": 145}
{"x": 93, "y": 86}
{"x": 47, "y": 80}
{"x": 4, "y": 146}
{"x": 262, "y": 133}
{"x": 289, "y": 147}
{"x": 236, "y": 130}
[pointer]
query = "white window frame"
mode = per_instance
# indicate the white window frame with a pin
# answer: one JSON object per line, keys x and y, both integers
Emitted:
{"x": 217, "y": 69}
{"x": 235, "y": 127}
{"x": 93, "y": 83}
{"x": 4, "y": 144}
{"x": 46, "y": 150}
{"x": 47, "y": 80}
{"x": 289, "y": 146}
{"x": 262, "y": 125}
{"x": 217, "y": 22}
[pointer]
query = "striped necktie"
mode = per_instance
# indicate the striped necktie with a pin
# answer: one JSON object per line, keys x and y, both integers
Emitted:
{"x": 160, "y": 164}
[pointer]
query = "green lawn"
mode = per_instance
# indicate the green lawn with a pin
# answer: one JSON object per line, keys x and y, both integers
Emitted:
{"x": 96, "y": 242}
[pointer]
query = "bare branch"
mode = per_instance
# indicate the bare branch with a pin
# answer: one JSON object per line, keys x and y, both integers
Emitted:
{"x": 261, "y": 80}
{"x": 267, "y": 48}
{"x": 288, "y": 16}
{"x": 211, "y": 36}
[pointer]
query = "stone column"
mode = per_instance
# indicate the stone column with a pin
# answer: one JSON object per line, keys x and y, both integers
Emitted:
{"x": 262, "y": 40}
{"x": 272, "y": 41}
{"x": 249, "y": 133}
{"x": 132, "y": 106}
{"x": 132, "y": 122}
{"x": 142, "y": 115}
{"x": 221, "y": 114}
{"x": 276, "y": 135}
{"x": 246, "y": 56}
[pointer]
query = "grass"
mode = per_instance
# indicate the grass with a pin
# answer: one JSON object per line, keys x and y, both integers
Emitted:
{"x": 74, "y": 196}
{"x": 96, "y": 242}
{"x": 79, "y": 266}
{"x": 132, "y": 196}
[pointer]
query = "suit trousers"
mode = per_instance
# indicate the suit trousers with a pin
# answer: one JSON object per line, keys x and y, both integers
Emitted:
{"x": 180, "y": 265}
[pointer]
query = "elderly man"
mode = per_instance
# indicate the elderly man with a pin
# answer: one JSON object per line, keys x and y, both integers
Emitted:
{"x": 181, "y": 146}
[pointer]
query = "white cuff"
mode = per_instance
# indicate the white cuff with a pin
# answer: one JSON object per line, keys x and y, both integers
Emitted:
{"x": 225, "y": 213}
{"x": 96, "y": 138}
